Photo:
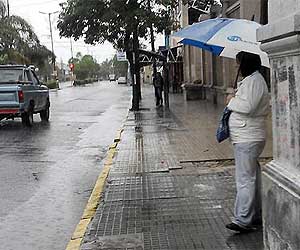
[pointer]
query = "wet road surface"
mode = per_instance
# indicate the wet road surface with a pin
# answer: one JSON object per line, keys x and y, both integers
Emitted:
{"x": 47, "y": 172}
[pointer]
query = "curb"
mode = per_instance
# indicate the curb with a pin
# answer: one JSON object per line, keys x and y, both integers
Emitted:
{"x": 94, "y": 200}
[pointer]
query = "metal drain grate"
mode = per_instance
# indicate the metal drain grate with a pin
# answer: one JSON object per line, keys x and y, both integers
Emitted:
{"x": 220, "y": 186}
{"x": 173, "y": 224}
{"x": 140, "y": 187}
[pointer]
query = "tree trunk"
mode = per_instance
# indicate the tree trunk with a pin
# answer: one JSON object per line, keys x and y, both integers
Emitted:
{"x": 152, "y": 42}
{"x": 128, "y": 43}
{"x": 131, "y": 58}
{"x": 137, "y": 79}
{"x": 136, "y": 47}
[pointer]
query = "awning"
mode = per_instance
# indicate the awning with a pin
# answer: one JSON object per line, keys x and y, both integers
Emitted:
{"x": 170, "y": 55}
{"x": 147, "y": 57}
{"x": 173, "y": 55}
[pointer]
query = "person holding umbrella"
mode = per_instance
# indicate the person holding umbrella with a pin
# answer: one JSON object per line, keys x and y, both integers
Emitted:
{"x": 250, "y": 107}
{"x": 229, "y": 37}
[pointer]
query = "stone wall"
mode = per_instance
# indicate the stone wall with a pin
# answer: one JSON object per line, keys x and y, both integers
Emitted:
{"x": 281, "y": 178}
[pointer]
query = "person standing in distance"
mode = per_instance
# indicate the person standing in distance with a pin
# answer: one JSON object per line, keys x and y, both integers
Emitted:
{"x": 158, "y": 83}
{"x": 247, "y": 125}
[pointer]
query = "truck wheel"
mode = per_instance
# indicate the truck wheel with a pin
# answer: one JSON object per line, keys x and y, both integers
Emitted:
{"x": 27, "y": 118}
{"x": 44, "y": 114}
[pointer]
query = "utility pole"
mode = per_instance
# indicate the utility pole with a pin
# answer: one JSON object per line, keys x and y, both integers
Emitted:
{"x": 51, "y": 35}
{"x": 71, "y": 45}
{"x": 72, "y": 63}
{"x": 7, "y": 6}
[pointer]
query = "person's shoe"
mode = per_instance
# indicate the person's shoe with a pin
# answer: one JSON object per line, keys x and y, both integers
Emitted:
{"x": 242, "y": 229}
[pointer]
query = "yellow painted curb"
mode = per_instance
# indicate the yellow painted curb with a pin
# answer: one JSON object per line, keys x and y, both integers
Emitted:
{"x": 114, "y": 145}
{"x": 118, "y": 136}
{"x": 93, "y": 202}
{"x": 74, "y": 244}
{"x": 81, "y": 228}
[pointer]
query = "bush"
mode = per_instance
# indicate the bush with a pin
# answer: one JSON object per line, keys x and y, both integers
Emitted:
{"x": 51, "y": 84}
{"x": 79, "y": 82}
{"x": 83, "y": 82}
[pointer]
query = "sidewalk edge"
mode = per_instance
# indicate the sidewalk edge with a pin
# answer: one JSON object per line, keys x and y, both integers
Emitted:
{"x": 96, "y": 195}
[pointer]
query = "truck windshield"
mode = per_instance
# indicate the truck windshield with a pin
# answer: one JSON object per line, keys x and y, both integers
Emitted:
{"x": 11, "y": 75}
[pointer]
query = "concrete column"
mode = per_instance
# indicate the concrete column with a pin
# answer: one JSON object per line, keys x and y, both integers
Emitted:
{"x": 281, "y": 178}
{"x": 186, "y": 60}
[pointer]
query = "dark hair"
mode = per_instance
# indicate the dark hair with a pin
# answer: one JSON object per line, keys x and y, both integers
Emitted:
{"x": 249, "y": 63}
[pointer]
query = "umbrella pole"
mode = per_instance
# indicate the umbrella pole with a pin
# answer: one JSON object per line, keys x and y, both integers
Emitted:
{"x": 237, "y": 77}
{"x": 238, "y": 73}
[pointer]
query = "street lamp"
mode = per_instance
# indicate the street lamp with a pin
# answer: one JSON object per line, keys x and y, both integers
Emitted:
{"x": 53, "y": 56}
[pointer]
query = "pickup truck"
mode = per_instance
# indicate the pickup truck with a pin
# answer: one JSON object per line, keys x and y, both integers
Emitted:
{"x": 22, "y": 94}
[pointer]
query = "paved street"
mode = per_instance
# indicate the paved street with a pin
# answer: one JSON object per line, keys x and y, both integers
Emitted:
{"x": 47, "y": 172}
{"x": 171, "y": 185}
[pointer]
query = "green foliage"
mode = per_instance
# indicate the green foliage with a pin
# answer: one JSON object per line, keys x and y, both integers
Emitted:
{"x": 51, "y": 84}
{"x": 3, "y": 58}
{"x": 105, "y": 68}
{"x": 18, "y": 42}
{"x": 112, "y": 66}
{"x": 114, "y": 21}
{"x": 120, "y": 67}
{"x": 84, "y": 82}
{"x": 85, "y": 67}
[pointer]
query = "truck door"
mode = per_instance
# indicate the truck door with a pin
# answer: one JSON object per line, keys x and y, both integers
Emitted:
{"x": 30, "y": 90}
{"x": 42, "y": 92}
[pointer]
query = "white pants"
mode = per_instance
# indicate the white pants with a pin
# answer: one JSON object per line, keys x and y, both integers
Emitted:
{"x": 248, "y": 182}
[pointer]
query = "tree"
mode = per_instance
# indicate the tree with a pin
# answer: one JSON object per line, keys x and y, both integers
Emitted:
{"x": 120, "y": 22}
{"x": 85, "y": 67}
{"x": 120, "y": 67}
{"x": 105, "y": 68}
{"x": 18, "y": 42}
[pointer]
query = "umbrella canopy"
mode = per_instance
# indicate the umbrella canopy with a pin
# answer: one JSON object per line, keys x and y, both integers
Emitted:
{"x": 224, "y": 37}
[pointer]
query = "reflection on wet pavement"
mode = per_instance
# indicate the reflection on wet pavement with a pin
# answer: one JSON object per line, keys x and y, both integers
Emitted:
{"x": 48, "y": 171}
{"x": 171, "y": 184}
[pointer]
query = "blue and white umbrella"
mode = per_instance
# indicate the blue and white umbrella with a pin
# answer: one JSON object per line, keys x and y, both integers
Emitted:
{"x": 224, "y": 37}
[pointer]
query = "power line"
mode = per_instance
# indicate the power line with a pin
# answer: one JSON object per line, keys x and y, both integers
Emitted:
{"x": 66, "y": 45}
{"x": 35, "y": 3}
{"x": 68, "y": 42}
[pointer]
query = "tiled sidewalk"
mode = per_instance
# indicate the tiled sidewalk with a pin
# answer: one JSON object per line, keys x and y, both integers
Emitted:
{"x": 161, "y": 193}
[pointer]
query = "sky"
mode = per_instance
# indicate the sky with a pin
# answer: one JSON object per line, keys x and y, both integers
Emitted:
{"x": 30, "y": 11}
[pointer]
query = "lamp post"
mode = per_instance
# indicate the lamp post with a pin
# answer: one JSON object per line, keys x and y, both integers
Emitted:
{"x": 50, "y": 26}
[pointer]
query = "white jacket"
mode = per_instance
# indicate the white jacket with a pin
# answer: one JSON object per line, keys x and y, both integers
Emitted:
{"x": 249, "y": 107}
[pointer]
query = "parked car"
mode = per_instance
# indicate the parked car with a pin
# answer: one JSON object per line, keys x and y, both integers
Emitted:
{"x": 122, "y": 80}
{"x": 112, "y": 77}
{"x": 22, "y": 94}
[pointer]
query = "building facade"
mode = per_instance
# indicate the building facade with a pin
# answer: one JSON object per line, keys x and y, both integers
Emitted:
{"x": 216, "y": 74}
{"x": 280, "y": 38}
